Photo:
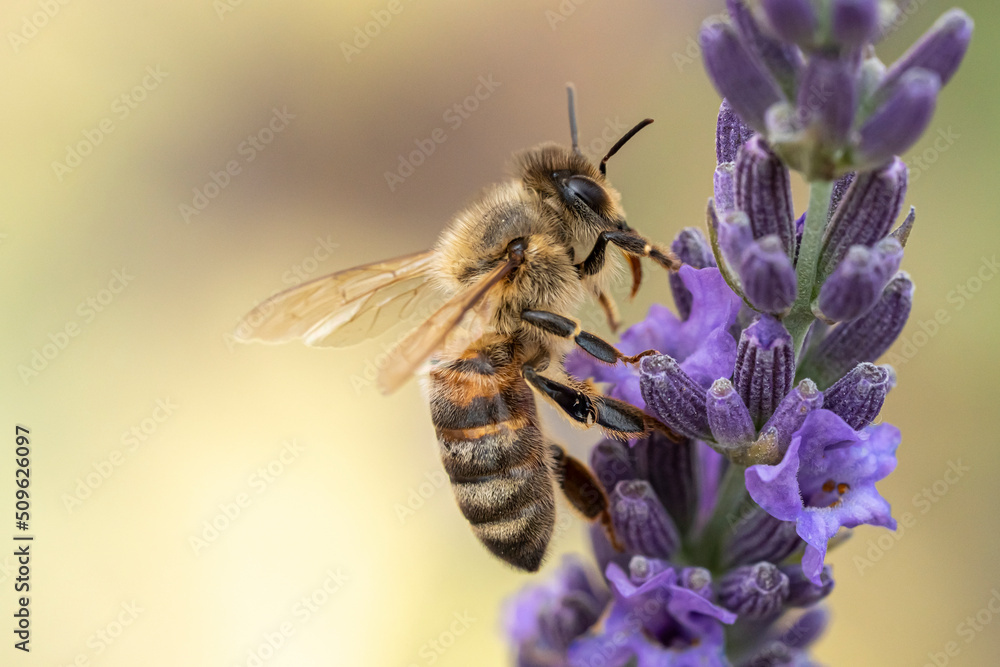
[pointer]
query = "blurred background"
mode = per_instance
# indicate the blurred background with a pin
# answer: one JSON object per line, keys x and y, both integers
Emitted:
{"x": 169, "y": 165}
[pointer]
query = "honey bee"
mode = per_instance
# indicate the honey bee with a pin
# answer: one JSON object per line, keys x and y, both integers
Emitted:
{"x": 510, "y": 266}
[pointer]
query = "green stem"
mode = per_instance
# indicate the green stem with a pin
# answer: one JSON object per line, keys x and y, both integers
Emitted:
{"x": 731, "y": 495}
{"x": 800, "y": 317}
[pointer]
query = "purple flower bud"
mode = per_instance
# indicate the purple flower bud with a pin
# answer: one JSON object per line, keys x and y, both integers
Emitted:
{"x": 857, "y": 397}
{"x": 640, "y": 521}
{"x": 764, "y": 192}
{"x": 781, "y": 60}
{"x": 671, "y": 394}
{"x": 792, "y": 20}
{"x": 697, "y": 579}
{"x": 840, "y": 187}
{"x": 735, "y": 236}
{"x": 901, "y": 119}
{"x": 736, "y": 74}
{"x": 724, "y": 187}
{"x": 765, "y": 367}
{"x": 730, "y": 133}
{"x": 611, "y": 463}
{"x": 827, "y": 98}
{"x": 865, "y": 213}
{"x": 806, "y": 629}
{"x": 801, "y": 591}
{"x": 693, "y": 249}
{"x": 864, "y": 339}
{"x": 754, "y": 591}
{"x": 791, "y": 413}
{"x": 857, "y": 283}
{"x": 758, "y": 536}
{"x": 672, "y": 470}
{"x": 768, "y": 276}
{"x": 940, "y": 50}
{"x": 854, "y": 23}
{"x": 642, "y": 569}
{"x": 728, "y": 417}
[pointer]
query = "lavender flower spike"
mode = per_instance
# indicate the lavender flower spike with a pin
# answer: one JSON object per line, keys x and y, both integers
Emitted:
{"x": 827, "y": 99}
{"x": 857, "y": 397}
{"x": 768, "y": 276}
{"x": 676, "y": 399}
{"x": 856, "y": 285}
{"x": 801, "y": 591}
{"x": 728, "y": 417}
{"x": 900, "y": 121}
{"x": 736, "y": 75}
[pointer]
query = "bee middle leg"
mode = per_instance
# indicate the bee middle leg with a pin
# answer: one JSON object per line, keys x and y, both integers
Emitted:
{"x": 610, "y": 309}
{"x": 617, "y": 418}
{"x": 566, "y": 327}
{"x": 583, "y": 491}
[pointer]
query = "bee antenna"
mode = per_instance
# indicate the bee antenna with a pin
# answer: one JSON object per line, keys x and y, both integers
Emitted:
{"x": 571, "y": 94}
{"x": 621, "y": 142}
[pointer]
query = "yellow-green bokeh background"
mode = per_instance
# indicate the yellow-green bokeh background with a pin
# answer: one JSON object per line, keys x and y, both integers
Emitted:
{"x": 334, "y": 506}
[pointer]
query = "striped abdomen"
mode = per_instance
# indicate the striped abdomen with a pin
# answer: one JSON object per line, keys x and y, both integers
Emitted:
{"x": 494, "y": 453}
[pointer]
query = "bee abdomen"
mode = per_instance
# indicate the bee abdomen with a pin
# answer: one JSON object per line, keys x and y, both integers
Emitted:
{"x": 503, "y": 484}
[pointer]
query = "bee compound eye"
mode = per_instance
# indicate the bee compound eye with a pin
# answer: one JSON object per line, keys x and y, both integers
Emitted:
{"x": 587, "y": 191}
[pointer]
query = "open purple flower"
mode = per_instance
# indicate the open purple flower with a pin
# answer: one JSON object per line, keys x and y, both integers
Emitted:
{"x": 659, "y": 622}
{"x": 701, "y": 343}
{"x": 827, "y": 481}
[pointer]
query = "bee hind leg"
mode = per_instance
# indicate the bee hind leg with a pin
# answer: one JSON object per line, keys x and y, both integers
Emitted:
{"x": 584, "y": 492}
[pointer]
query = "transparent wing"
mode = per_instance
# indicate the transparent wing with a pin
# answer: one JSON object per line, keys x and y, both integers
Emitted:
{"x": 346, "y": 307}
{"x": 422, "y": 342}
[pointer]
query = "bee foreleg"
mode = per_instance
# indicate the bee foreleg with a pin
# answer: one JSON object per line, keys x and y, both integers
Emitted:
{"x": 583, "y": 491}
{"x": 566, "y": 327}
{"x": 632, "y": 245}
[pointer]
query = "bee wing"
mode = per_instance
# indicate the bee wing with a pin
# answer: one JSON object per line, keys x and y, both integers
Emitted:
{"x": 422, "y": 342}
{"x": 342, "y": 308}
